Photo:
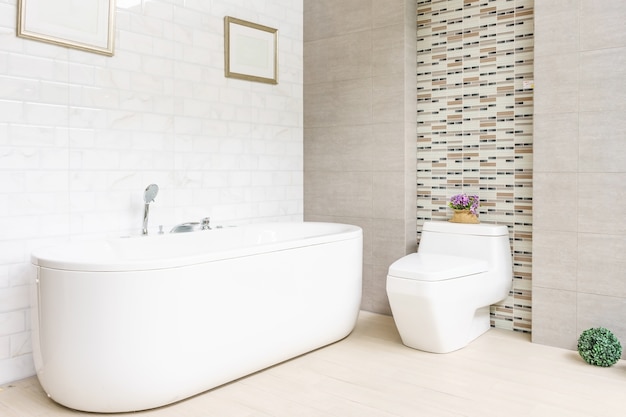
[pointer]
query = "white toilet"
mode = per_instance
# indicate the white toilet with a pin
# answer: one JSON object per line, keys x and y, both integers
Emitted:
{"x": 440, "y": 296}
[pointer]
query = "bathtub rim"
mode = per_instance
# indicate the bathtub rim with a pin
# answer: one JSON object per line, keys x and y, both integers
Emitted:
{"x": 57, "y": 257}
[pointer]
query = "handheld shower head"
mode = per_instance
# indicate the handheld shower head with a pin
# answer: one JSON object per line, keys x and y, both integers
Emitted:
{"x": 151, "y": 192}
{"x": 148, "y": 196}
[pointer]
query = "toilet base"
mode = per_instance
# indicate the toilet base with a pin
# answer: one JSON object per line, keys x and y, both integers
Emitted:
{"x": 440, "y": 320}
{"x": 444, "y": 340}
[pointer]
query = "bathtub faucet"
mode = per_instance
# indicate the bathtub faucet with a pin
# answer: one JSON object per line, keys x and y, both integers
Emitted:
{"x": 192, "y": 226}
{"x": 148, "y": 197}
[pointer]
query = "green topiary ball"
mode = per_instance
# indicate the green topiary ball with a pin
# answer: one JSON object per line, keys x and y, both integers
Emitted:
{"x": 598, "y": 346}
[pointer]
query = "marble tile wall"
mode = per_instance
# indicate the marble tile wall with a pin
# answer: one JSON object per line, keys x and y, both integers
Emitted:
{"x": 475, "y": 124}
{"x": 82, "y": 135}
{"x": 580, "y": 170}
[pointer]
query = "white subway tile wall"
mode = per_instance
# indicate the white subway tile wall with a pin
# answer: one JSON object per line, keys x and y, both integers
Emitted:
{"x": 82, "y": 135}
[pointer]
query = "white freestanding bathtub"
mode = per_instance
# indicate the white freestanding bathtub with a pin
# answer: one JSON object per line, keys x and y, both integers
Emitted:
{"x": 129, "y": 324}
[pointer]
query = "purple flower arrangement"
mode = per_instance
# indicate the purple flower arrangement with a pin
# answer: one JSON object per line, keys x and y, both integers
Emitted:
{"x": 465, "y": 202}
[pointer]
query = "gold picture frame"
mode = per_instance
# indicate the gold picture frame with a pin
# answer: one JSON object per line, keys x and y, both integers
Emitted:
{"x": 87, "y": 25}
{"x": 250, "y": 51}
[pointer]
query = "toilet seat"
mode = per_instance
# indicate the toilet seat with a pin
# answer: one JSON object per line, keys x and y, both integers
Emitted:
{"x": 434, "y": 267}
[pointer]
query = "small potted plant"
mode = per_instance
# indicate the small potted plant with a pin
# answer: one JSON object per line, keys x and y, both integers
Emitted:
{"x": 465, "y": 208}
{"x": 598, "y": 346}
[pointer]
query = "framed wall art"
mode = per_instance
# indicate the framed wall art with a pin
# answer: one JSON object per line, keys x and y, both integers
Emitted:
{"x": 250, "y": 51}
{"x": 82, "y": 24}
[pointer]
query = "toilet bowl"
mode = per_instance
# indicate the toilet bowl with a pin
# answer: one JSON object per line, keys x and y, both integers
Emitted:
{"x": 440, "y": 296}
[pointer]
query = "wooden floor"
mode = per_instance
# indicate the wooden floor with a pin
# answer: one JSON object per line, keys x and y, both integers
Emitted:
{"x": 370, "y": 373}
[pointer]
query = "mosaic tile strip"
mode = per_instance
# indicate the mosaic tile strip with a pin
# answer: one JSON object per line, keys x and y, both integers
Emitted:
{"x": 475, "y": 124}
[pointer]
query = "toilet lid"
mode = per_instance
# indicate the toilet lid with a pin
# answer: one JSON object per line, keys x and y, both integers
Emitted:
{"x": 435, "y": 267}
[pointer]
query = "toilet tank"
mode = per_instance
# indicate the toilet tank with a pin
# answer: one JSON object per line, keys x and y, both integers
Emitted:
{"x": 479, "y": 241}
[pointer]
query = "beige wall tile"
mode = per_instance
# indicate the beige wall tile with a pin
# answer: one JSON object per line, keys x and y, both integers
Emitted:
{"x": 553, "y": 317}
{"x": 388, "y": 192}
{"x": 410, "y": 200}
{"x": 388, "y": 50}
{"x": 347, "y": 194}
{"x": 555, "y": 259}
{"x": 601, "y": 264}
{"x": 555, "y": 142}
{"x": 369, "y": 289}
{"x": 556, "y": 27}
{"x": 602, "y": 142}
{"x": 601, "y": 198}
{"x": 600, "y": 97}
{"x": 375, "y": 296}
{"x": 328, "y": 18}
{"x": 389, "y": 12}
{"x": 356, "y": 135}
{"x": 602, "y": 75}
{"x": 388, "y": 99}
{"x": 555, "y": 197}
{"x": 603, "y": 24}
{"x": 410, "y": 231}
{"x": 389, "y": 146}
{"x": 556, "y": 83}
{"x": 340, "y": 148}
{"x": 388, "y": 242}
{"x": 410, "y": 150}
{"x": 345, "y": 57}
{"x": 338, "y": 103}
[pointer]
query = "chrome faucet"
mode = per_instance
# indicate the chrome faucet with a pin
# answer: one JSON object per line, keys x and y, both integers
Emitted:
{"x": 192, "y": 226}
{"x": 148, "y": 197}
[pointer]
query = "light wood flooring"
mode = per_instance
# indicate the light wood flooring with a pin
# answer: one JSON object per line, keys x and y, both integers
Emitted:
{"x": 370, "y": 373}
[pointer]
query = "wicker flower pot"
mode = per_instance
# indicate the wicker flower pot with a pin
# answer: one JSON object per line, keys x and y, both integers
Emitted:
{"x": 464, "y": 216}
